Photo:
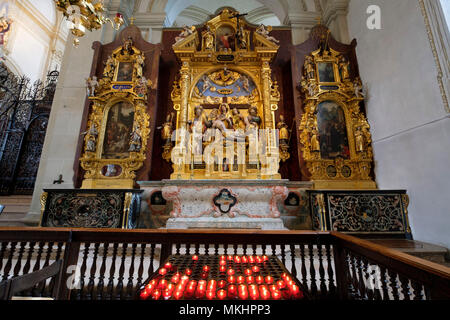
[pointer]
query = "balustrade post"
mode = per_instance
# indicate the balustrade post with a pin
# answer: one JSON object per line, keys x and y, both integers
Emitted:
{"x": 341, "y": 269}
{"x": 70, "y": 259}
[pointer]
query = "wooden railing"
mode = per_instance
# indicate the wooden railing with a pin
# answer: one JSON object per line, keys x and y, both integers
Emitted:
{"x": 112, "y": 264}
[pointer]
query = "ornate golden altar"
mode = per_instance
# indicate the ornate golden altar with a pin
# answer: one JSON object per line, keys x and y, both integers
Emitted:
{"x": 225, "y": 84}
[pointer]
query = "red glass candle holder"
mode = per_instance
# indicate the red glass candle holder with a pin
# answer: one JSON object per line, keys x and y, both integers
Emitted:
{"x": 243, "y": 292}
{"x": 221, "y": 294}
{"x": 269, "y": 279}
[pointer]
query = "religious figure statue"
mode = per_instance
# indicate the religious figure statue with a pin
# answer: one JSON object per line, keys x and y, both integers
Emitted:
{"x": 221, "y": 118}
{"x": 187, "y": 31}
{"x": 315, "y": 146}
{"x": 206, "y": 84}
{"x": 283, "y": 130}
{"x": 343, "y": 66}
{"x": 312, "y": 89}
{"x": 245, "y": 83}
{"x": 208, "y": 38}
{"x": 358, "y": 88}
{"x": 263, "y": 31}
{"x": 127, "y": 47}
{"x": 309, "y": 67}
{"x": 359, "y": 140}
{"x": 135, "y": 141}
{"x": 91, "y": 144}
{"x": 139, "y": 65}
{"x": 91, "y": 85}
{"x": 241, "y": 37}
{"x": 110, "y": 66}
{"x": 141, "y": 86}
{"x": 167, "y": 129}
{"x": 252, "y": 121}
{"x": 5, "y": 26}
{"x": 238, "y": 120}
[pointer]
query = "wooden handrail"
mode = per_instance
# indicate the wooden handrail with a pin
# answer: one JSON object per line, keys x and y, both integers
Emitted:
{"x": 425, "y": 265}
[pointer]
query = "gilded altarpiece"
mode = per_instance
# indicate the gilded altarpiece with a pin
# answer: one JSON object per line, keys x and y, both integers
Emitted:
{"x": 334, "y": 133}
{"x": 118, "y": 125}
{"x": 224, "y": 83}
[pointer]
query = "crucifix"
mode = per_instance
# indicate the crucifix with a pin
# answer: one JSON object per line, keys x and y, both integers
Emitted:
{"x": 238, "y": 31}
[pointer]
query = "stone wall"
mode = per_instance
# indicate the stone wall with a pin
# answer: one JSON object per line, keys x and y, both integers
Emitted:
{"x": 408, "y": 118}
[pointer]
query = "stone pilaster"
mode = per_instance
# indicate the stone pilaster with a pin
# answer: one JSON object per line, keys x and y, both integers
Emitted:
{"x": 63, "y": 129}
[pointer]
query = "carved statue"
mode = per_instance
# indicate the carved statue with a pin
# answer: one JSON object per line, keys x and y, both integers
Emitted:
{"x": 359, "y": 140}
{"x": 91, "y": 144}
{"x": 358, "y": 88}
{"x": 238, "y": 120}
{"x": 187, "y": 31}
{"x": 245, "y": 83}
{"x": 309, "y": 67}
{"x": 242, "y": 38}
{"x": 110, "y": 66}
{"x": 127, "y": 47}
{"x": 91, "y": 85}
{"x": 208, "y": 38}
{"x": 222, "y": 119}
{"x": 139, "y": 65}
{"x": 312, "y": 89}
{"x": 167, "y": 129}
{"x": 252, "y": 121}
{"x": 206, "y": 84}
{"x": 261, "y": 30}
{"x": 343, "y": 66}
{"x": 283, "y": 130}
{"x": 315, "y": 146}
{"x": 135, "y": 141}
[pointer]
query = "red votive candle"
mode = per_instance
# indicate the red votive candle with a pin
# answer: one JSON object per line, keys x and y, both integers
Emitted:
{"x": 168, "y": 265}
{"x": 244, "y": 259}
{"x": 210, "y": 294}
{"x": 178, "y": 294}
{"x": 276, "y": 294}
{"x": 222, "y": 257}
{"x": 248, "y": 272}
{"x": 144, "y": 294}
{"x": 206, "y": 268}
{"x": 243, "y": 292}
{"x": 222, "y": 263}
{"x": 231, "y": 279}
{"x": 188, "y": 271}
{"x": 259, "y": 259}
{"x": 250, "y": 279}
{"x": 264, "y": 292}
{"x": 237, "y": 259}
{"x": 221, "y": 294}
{"x": 195, "y": 258}
{"x": 162, "y": 271}
{"x": 156, "y": 294}
{"x": 212, "y": 285}
{"x": 240, "y": 279}
{"x": 221, "y": 283}
{"x": 251, "y": 259}
{"x": 255, "y": 269}
{"x": 162, "y": 284}
{"x": 230, "y": 272}
{"x": 230, "y": 258}
{"x": 269, "y": 280}
{"x": 254, "y": 293}
{"x": 222, "y": 269}
{"x": 265, "y": 258}
{"x": 259, "y": 280}
{"x": 281, "y": 284}
{"x": 232, "y": 291}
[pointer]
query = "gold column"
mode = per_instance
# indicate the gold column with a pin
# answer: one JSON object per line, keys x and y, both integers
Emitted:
{"x": 265, "y": 71}
{"x": 184, "y": 86}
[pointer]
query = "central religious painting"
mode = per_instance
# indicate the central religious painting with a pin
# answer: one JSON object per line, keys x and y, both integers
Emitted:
{"x": 225, "y": 101}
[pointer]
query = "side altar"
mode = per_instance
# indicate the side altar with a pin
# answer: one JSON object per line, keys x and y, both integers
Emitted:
{"x": 212, "y": 132}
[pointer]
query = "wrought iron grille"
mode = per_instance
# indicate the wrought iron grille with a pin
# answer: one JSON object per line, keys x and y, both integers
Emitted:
{"x": 24, "y": 114}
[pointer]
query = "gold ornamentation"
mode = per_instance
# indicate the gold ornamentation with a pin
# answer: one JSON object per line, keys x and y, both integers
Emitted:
{"x": 84, "y": 14}
{"x": 123, "y": 89}
{"x": 326, "y": 80}
{"x": 220, "y": 69}
{"x": 43, "y": 201}
{"x": 405, "y": 199}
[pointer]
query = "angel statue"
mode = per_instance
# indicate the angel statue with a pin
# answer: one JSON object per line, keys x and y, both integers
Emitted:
{"x": 187, "y": 31}
{"x": 261, "y": 30}
{"x": 358, "y": 88}
{"x": 91, "y": 85}
{"x": 139, "y": 65}
{"x": 135, "y": 142}
{"x": 110, "y": 66}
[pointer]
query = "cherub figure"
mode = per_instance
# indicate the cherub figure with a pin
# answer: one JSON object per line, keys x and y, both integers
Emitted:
{"x": 261, "y": 30}
{"x": 139, "y": 65}
{"x": 91, "y": 85}
{"x": 135, "y": 143}
{"x": 187, "y": 31}
{"x": 358, "y": 88}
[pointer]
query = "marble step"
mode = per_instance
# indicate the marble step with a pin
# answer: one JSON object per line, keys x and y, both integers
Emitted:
{"x": 424, "y": 250}
{"x": 16, "y": 208}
